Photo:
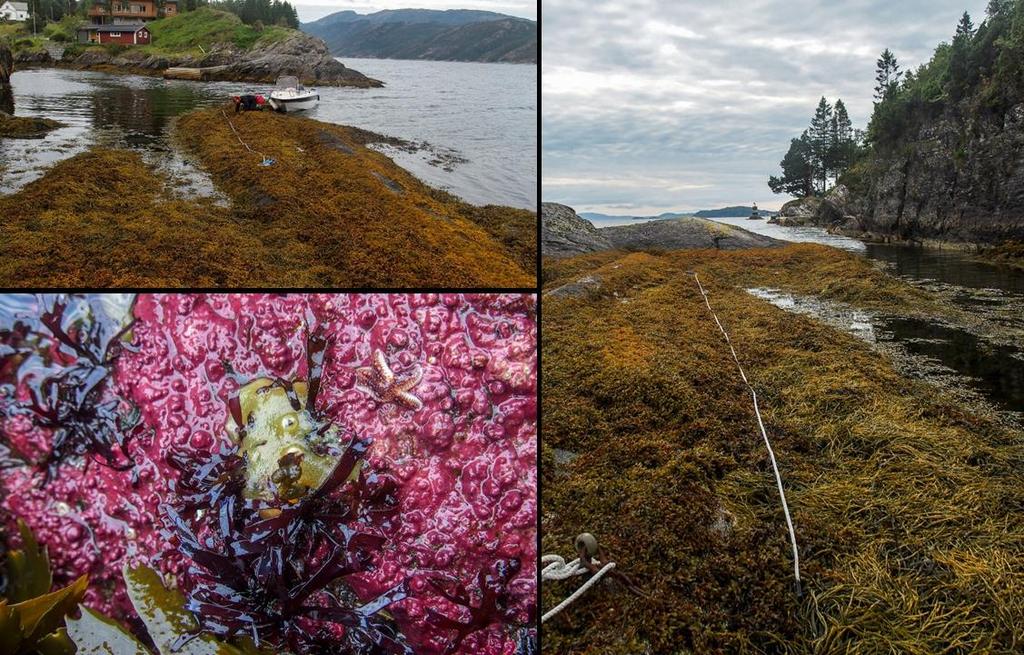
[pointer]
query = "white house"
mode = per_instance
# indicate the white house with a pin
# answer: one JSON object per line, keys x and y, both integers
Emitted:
{"x": 14, "y": 11}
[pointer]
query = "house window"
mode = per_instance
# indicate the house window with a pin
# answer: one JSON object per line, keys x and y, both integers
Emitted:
{"x": 115, "y": 35}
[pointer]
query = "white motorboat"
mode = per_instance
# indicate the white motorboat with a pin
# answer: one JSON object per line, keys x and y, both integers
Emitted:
{"x": 290, "y": 95}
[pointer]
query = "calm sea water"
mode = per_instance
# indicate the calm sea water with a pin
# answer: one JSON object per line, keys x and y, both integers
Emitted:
{"x": 479, "y": 119}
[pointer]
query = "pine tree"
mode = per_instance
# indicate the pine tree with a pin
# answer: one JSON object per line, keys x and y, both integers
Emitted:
{"x": 960, "y": 68}
{"x": 965, "y": 28}
{"x": 843, "y": 146}
{"x": 821, "y": 142}
{"x": 797, "y": 171}
{"x": 887, "y": 76}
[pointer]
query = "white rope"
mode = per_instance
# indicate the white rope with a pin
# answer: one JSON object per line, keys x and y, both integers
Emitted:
{"x": 557, "y": 569}
{"x": 764, "y": 433}
{"x": 239, "y": 137}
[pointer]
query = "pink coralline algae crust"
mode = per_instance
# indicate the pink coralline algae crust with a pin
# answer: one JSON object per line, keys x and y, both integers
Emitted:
{"x": 466, "y": 460}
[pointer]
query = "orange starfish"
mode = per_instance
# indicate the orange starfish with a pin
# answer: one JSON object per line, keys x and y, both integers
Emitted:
{"x": 380, "y": 380}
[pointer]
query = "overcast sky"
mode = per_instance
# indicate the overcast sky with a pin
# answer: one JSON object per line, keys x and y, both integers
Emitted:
{"x": 311, "y": 12}
{"x": 650, "y": 106}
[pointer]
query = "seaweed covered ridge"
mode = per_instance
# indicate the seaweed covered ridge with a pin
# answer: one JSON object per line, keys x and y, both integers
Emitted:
{"x": 906, "y": 503}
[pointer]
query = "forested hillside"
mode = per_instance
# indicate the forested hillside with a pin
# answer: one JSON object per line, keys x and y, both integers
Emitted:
{"x": 455, "y": 35}
{"x": 943, "y": 153}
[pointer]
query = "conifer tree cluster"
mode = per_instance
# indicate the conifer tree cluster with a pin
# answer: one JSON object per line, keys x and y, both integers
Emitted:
{"x": 822, "y": 153}
{"x": 981, "y": 70}
{"x": 265, "y": 12}
{"x": 979, "y": 73}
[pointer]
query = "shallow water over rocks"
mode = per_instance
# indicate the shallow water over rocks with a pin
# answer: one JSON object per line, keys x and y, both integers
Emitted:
{"x": 961, "y": 360}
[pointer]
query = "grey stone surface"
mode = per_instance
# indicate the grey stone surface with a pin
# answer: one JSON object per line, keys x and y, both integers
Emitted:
{"x": 958, "y": 177}
{"x": 563, "y": 233}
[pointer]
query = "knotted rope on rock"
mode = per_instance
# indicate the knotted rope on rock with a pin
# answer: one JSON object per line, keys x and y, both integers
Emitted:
{"x": 556, "y": 569}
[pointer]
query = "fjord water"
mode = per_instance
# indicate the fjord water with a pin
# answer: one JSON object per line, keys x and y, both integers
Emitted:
{"x": 479, "y": 119}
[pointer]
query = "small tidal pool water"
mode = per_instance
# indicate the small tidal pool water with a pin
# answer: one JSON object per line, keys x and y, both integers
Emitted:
{"x": 992, "y": 296}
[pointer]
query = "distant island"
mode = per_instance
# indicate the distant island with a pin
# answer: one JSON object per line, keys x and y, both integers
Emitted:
{"x": 453, "y": 35}
{"x": 735, "y": 210}
{"x": 725, "y": 212}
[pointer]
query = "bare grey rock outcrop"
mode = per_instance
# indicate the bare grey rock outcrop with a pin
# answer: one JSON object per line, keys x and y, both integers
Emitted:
{"x": 685, "y": 233}
{"x": 563, "y": 233}
{"x": 958, "y": 176}
{"x": 801, "y": 211}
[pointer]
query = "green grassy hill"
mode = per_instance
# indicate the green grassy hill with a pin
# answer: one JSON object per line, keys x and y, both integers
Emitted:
{"x": 189, "y": 33}
{"x": 206, "y": 27}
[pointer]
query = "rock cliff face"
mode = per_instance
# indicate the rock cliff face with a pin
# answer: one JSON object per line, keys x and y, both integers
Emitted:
{"x": 563, "y": 233}
{"x": 956, "y": 178}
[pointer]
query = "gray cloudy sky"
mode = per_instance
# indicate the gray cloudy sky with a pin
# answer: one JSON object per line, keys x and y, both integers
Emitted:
{"x": 652, "y": 105}
{"x": 311, "y": 12}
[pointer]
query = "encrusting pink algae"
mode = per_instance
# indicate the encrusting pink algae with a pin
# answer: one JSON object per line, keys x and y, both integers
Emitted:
{"x": 452, "y": 418}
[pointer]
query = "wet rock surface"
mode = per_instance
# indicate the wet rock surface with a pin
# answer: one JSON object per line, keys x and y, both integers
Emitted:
{"x": 578, "y": 288}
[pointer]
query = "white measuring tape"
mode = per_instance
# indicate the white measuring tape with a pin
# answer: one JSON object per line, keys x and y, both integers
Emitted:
{"x": 764, "y": 433}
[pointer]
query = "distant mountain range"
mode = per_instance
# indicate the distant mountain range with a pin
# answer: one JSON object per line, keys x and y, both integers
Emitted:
{"x": 724, "y": 212}
{"x": 453, "y": 35}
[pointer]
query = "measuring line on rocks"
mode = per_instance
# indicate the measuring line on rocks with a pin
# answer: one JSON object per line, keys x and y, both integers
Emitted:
{"x": 764, "y": 433}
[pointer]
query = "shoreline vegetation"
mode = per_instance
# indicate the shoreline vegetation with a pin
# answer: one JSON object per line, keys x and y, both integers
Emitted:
{"x": 26, "y": 127}
{"x": 328, "y": 211}
{"x": 905, "y": 497}
{"x": 202, "y": 38}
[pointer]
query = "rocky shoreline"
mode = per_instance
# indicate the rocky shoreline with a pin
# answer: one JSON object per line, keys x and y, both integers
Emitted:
{"x": 301, "y": 55}
{"x": 564, "y": 233}
{"x": 837, "y": 212}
